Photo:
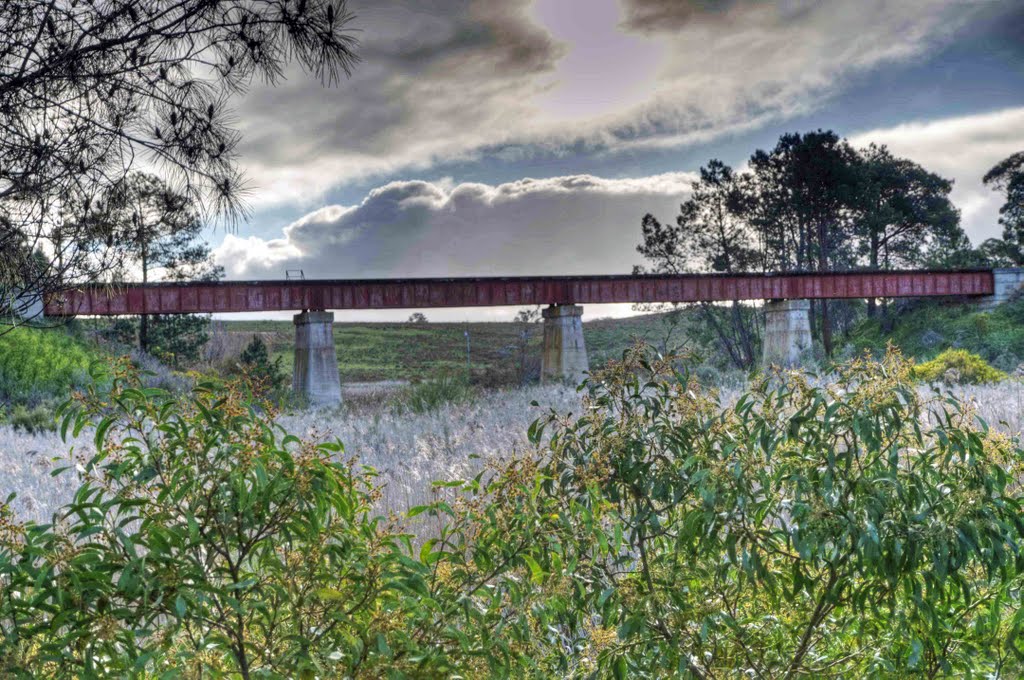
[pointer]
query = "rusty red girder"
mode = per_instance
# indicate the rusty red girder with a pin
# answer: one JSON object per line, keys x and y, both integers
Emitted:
{"x": 265, "y": 296}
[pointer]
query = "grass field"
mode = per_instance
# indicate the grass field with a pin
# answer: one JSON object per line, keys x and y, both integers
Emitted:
{"x": 405, "y": 351}
{"x": 408, "y": 449}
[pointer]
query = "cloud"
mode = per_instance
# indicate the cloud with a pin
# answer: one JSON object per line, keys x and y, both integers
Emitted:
{"x": 562, "y": 225}
{"x": 963, "y": 149}
{"x": 654, "y": 16}
{"x": 464, "y": 79}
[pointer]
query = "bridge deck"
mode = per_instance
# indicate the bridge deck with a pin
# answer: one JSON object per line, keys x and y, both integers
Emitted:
{"x": 263, "y": 296}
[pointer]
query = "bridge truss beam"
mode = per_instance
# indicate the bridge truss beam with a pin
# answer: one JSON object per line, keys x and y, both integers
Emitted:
{"x": 266, "y": 296}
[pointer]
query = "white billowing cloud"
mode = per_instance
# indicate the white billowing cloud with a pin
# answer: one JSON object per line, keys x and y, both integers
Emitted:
{"x": 240, "y": 256}
{"x": 577, "y": 224}
{"x": 962, "y": 149}
{"x": 446, "y": 80}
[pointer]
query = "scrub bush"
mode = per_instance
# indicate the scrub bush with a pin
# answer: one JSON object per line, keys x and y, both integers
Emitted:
{"x": 33, "y": 420}
{"x": 206, "y": 541}
{"x": 36, "y": 363}
{"x": 855, "y": 529}
{"x": 431, "y": 395}
{"x": 266, "y": 376}
{"x": 958, "y": 367}
{"x": 852, "y": 529}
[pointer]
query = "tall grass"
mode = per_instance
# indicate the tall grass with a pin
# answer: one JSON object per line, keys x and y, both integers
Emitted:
{"x": 433, "y": 394}
{"x": 36, "y": 363}
{"x": 409, "y": 449}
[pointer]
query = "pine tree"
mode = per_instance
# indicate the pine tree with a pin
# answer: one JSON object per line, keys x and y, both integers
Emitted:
{"x": 161, "y": 233}
{"x": 1008, "y": 176}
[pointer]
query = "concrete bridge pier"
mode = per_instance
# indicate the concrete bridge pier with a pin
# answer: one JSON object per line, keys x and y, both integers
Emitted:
{"x": 315, "y": 375}
{"x": 564, "y": 354}
{"x": 1006, "y": 281}
{"x": 787, "y": 332}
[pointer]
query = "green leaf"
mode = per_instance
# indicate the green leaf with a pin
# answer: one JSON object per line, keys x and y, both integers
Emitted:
{"x": 417, "y": 510}
{"x": 916, "y": 648}
{"x": 619, "y": 668}
{"x": 536, "y": 573}
{"x": 101, "y": 431}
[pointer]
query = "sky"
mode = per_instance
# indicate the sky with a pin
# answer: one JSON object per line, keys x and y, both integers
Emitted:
{"x": 517, "y": 137}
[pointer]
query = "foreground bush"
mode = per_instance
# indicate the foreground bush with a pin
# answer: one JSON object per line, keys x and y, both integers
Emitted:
{"x": 205, "y": 542}
{"x": 836, "y": 531}
{"x": 958, "y": 367}
{"x": 848, "y": 530}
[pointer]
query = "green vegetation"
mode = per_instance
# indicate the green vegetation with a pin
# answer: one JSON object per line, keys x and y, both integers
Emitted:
{"x": 804, "y": 531}
{"x": 404, "y": 351}
{"x": 40, "y": 363}
{"x": 928, "y": 328}
{"x": 958, "y": 367}
{"x": 424, "y": 351}
{"x": 266, "y": 375}
{"x": 812, "y": 203}
{"x": 430, "y": 395}
{"x": 34, "y": 419}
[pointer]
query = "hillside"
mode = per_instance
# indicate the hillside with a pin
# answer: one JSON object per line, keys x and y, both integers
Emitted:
{"x": 406, "y": 351}
{"x": 403, "y": 351}
{"x": 923, "y": 329}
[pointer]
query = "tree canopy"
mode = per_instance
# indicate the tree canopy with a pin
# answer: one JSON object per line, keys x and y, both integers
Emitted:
{"x": 811, "y": 203}
{"x": 1008, "y": 176}
{"x": 90, "y": 91}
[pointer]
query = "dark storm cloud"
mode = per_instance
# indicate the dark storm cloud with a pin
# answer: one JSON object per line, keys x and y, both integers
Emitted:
{"x": 437, "y": 78}
{"x": 459, "y": 80}
{"x": 414, "y": 36}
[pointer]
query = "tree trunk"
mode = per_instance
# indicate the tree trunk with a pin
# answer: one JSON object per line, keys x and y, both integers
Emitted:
{"x": 144, "y": 319}
{"x": 745, "y": 336}
{"x": 873, "y": 302}
{"x": 826, "y": 324}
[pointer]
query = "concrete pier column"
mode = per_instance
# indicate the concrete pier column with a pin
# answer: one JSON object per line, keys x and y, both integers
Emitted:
{"x": 564, "y": 355}
{"x": 315, "y": 376}
{"x": 787, "y": 332}
{"x": 1007, "y": 281}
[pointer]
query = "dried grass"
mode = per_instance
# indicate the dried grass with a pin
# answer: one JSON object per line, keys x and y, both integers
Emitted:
{"x": 409, "y": 450}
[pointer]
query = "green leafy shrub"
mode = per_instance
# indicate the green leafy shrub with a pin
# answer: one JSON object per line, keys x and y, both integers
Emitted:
{"x": 921, "y": 329}
{"x": 266, "y": 375}
{"x": 835, "y": 531}
{"x": 857, "y": 529}
{"x": 40, "y": 362}
{"x": 206, "y": 542}
{"x": 178, "y": 339}
{"x": 958, "y": 366}
{"x": 35, "y": 419}
{"x": 121, "y": 331}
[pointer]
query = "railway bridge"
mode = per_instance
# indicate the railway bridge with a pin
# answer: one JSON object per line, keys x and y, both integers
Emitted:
{"x": 786, "y": 299}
